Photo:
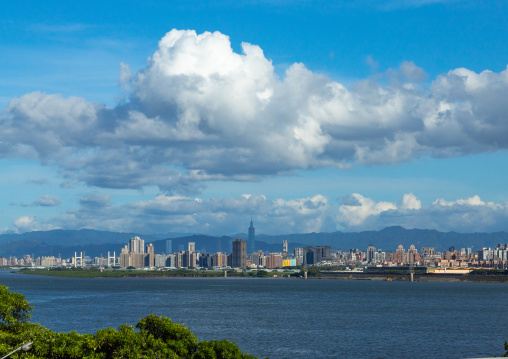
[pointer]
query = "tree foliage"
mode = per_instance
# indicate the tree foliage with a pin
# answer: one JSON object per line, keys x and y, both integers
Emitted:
{"x": 13, "y": 307}
{"x": 153, "y": 337}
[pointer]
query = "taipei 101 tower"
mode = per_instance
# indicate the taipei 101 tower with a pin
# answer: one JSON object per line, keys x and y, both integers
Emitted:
{"x": 251, "y": 245}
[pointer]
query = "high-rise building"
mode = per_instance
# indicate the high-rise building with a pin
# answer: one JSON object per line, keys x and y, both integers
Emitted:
{"x": 285, "y": 248}
{"x": 412, "y": 254}
{"x": 193, "y": 259}
{"x": 257, "y": 257}
{"x": 219, "y": 260}
{"x": 170, "y": 261}
{"x": 239, "y": 255}
{"x": 136, "y": 245}
{"x": 150, "y": 256}
{"x": 205, "y": 261}
{"x": 191, "y": 247}
{"x": 179, "y": 259}
{"x": 428, "y": 252}
{"x": 400, "y": 255}
{"x": 298, "y": 254}
{"x": 274, "y": 260}
{"x": 323, "y": 253}
{"x": 133, "y": 254}
{"x": 186, "y": 259}
{"x": 371, "y": 254}
{"x": 252, "y": 237}
{"x": 137, "y": 260}
{"x": 309, "y": 256}
{"x": 160, "y": 260}
{"x": 169, "y": 246}
{"x": 124, "y": 257}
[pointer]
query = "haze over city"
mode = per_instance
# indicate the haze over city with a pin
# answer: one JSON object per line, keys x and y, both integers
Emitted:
{"x": 194, "y": 117}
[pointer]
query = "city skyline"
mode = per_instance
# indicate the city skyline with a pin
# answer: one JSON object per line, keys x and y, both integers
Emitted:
{"x": 133, "y": 255}
{"x": 307, "y": 117}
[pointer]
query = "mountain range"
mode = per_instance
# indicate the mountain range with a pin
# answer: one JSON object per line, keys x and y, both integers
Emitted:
{"x": 97, "y": 243}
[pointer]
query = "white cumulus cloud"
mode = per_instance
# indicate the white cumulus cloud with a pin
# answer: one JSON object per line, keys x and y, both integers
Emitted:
{"x": 47, "y": 201}
{"x": 462, "y": 215}
{"x": 357, "y": 208}
{"x": 199, "y": 111}
{"x": 29, "y": 224}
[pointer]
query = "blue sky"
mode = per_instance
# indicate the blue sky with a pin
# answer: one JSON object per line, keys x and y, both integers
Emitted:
{"x": 194, "y": 116}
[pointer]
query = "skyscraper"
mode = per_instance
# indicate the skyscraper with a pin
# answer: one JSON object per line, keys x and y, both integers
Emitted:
{"x": 285, "y": 248}
{"x": 136, "y": 245}
{"x": 371, "y": 253}
{"x": 239, "y": 255}
{"x": 150, "y": 257}
{"x": 252, "y": 237}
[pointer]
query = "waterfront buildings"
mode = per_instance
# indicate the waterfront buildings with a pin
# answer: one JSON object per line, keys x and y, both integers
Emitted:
{"x": 136, "y": 254}
{"x": 239, "y": 254}
{"x": 275, "y": 260}
{"x": 315, "y": 255}
{"x": 150, "y": 256}
{"x": 136, "y": 245}
{"x": 285, "y": 248}
{"x": 371, "y": 254}
{"x": 133, "y": 254}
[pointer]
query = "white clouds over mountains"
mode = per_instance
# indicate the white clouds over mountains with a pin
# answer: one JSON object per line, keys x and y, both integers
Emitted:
{"x": 199, "y": 111}
{"x": 300, "y": 215}
{"x": 463, "y": 215}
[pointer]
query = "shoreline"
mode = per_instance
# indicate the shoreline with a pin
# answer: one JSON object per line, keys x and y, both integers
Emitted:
{"x": 220, "y": 274}
{"x": 418, "y": 277}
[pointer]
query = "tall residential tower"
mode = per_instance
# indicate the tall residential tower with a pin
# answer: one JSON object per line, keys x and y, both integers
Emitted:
{"x": 239, "y": 255}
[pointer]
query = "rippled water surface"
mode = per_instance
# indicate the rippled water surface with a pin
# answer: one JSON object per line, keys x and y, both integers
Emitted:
{"x": 288, "y": 318}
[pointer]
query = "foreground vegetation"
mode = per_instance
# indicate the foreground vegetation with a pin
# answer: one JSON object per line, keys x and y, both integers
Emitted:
{"x": 153, "y": 337}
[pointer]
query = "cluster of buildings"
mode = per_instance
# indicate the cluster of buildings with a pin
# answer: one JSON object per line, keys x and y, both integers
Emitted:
{"x": 133, "y": 255}
{"x": 429, "y": 257}
{"x": 26, "y": 261}
{"x": 52, "y": 261}
{"x": 136, "y": 254}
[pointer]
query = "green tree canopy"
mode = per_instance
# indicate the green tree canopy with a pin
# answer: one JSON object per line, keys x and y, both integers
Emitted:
{"x": 13, "y": 307}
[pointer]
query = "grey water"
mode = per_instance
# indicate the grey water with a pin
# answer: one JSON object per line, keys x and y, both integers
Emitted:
{"x": 287, "y": 318}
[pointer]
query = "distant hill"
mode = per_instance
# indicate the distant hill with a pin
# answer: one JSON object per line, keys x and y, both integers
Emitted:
{"x": 66, "y": 242}
{"x": 97, "y": 243}
{"x": 389, "y": 238}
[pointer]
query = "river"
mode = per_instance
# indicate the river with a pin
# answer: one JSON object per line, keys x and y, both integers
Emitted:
{"x": 288, "y": 318}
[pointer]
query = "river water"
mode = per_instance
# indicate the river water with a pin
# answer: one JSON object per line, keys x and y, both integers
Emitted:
{"x": 288, "y": 318}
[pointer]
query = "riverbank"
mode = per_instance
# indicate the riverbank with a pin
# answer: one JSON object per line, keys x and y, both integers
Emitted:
{"x": 427, "y": 277}
{"x": 132, "y": 273}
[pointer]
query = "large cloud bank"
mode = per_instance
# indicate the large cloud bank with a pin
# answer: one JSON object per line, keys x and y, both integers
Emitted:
{"x": 199, "y": 111}
{"x": 301, "y": 215}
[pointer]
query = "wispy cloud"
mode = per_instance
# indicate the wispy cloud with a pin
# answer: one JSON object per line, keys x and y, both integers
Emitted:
{"x": 39, "y": 181}
{"x": 59, "y": 28}
{"x": 404, "y": 4}
{"x": 43, "y": 201}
